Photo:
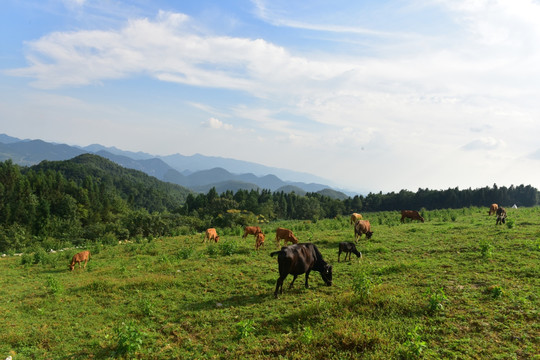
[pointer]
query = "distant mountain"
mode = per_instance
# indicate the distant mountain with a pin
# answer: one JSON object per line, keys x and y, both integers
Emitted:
{"x": 199, "y": 162}
{"x": 95, "y": 148}
{"x": 5, "y": 139}
{"x": 189, "y": 171}
{"x": 32, "y": 152}
{"x": 223, "y": 186}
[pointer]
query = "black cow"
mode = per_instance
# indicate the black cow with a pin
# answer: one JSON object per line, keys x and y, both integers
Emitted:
{"x": 298, "y": 259}
{"x": 348, "y": 247}
{"x": 501, "y": 216}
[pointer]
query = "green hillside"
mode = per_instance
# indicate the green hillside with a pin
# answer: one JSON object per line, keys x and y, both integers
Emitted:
{"x": 136, "y": 187}
{"x": 454, "y": 287}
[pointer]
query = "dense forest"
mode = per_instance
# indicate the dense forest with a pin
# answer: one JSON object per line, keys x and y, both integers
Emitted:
{"x": 92, "y": 198}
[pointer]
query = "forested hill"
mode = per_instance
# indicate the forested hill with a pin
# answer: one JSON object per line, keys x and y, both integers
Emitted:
{"x": 140, "y": 190}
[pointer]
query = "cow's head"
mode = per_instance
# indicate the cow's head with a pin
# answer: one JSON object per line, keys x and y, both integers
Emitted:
{"x": 71, "y": 266}
{"x": 326, "y": 274}
{"x": 216, "y": 239}
{"x": 369, "y": 234}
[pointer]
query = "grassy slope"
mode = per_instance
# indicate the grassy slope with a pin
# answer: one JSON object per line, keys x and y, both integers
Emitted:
{"x": 185, "y": 299}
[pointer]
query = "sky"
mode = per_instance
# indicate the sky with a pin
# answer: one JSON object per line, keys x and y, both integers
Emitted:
{"x": 371, "y": 95}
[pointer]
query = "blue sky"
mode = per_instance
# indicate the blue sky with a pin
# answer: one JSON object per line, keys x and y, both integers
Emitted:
{"x": 372, "y": 95}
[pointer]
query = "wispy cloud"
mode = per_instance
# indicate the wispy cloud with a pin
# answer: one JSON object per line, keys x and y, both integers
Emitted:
{"x": 485, "y": 143}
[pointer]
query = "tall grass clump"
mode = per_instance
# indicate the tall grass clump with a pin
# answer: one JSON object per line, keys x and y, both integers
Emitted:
{"x": 129, "y": 338}
{"x": 229, "y": 247}
{"x": 510, "y": 223}
{"x": 54, "y": 286}
{"x": 362, "y": 285}
{"x": 185, "y": 252}
{"x": 486, "y": 249}
{"x": 435, "y": 300}
{"x": 244, "y": 328}
{"x": 414, "y": 346}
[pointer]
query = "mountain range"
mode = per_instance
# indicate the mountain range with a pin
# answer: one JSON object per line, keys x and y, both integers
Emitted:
{"x": 198, "y": 173}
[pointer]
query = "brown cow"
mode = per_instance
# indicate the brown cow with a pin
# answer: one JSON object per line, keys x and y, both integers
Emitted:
{"x": 493, "y": 209}
{"x": 362, "y": 227}
{"x": 259, "y": 240}
{"x": 251, "y": 230}
{"x": 286, "y": 235}
{"x": 78, "y": 258}
{"x": 355, "y": 217}
{"x": 211, "y": 234}
{"x": 411, "y": 214}
{"x": 501, "y": 216}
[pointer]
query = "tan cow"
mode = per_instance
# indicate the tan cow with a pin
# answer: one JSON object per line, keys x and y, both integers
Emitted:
{"x": 411, "y": 214}
{"x": 362, "y": 227}
{"x": 251, "y": 230}
{"x": 493, "y": 209}
{"x": 211, "y": 234}
{"x": 286, "y": 235}
{"x": 78, "y": 258}
{"x": 355, "y": 217}
{"x": 259, "y": 240}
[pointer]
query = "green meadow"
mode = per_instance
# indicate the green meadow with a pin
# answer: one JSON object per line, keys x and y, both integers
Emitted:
{"x": 455, "y": 287}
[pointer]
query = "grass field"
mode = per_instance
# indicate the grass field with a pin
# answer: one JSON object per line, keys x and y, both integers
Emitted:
{"x": 454, "y": 287}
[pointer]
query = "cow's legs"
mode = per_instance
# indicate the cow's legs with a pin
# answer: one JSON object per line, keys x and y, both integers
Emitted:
{"x": 292, "y": 282}
{"x": 307, "y": 276}
{"x": 279, "y": 285}
{"x": 339, "y": 254}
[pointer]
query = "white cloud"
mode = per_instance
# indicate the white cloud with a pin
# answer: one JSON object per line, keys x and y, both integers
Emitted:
{"x": 214, "y": 123}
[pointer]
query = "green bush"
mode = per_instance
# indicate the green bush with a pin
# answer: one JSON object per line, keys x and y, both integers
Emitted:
{"x": 27, "y": 259}
{"x": 228, "y": 247}
{"x": 40, "y": 256}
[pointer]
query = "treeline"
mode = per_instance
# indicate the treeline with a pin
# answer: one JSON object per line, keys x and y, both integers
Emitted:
{"x": 89, "y": 198}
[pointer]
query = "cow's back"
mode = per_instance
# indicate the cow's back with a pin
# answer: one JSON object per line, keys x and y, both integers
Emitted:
{"x": 296, "y": 259}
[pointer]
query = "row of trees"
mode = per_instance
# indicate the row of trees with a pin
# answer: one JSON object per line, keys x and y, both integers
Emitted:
{"x": 78, "y": 201}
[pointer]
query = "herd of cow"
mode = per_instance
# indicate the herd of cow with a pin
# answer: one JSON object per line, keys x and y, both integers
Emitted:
{"x": 297, "y": 259}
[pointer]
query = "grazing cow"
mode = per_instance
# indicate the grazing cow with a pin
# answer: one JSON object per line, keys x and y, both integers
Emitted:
{"x": 78, "y": 258}
{"x": 493, "y": 209}
{"x": 286, "y": 235}
{"x": 251, "y": 230}
{"x": 298, "y": 259}
{"x": 259, "y": 240}
{"x": 355, "y": 217}
{"x": 348, "y": 247}
{"x": 411, "y": 214}
{"x": 211, "y": 234}
{"x": 362, "y": 227}
{"x": 501, "y": 216}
